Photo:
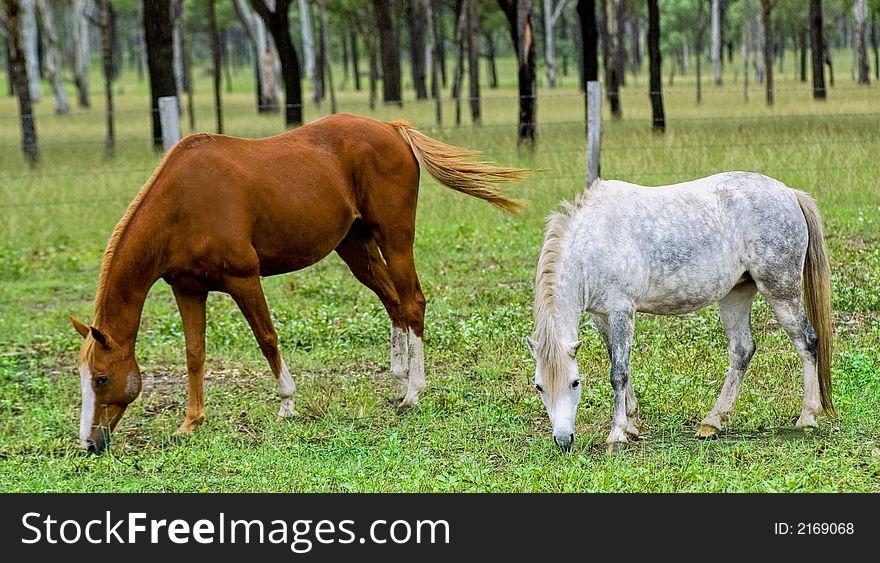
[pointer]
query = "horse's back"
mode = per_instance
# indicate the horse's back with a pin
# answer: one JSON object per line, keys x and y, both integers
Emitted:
{"x": 674, "y": 249}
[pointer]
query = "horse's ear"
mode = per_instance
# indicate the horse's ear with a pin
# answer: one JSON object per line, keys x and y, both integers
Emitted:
{"x": 573, "y": 349}
{"x": 100, "y": 337}
{"x": 533, "y": 347}
{"x": 82, "y": 329}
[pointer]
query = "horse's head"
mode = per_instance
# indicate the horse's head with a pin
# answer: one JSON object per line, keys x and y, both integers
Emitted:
{"x": 110, "y": 379}
{"x": 558, "y": 382}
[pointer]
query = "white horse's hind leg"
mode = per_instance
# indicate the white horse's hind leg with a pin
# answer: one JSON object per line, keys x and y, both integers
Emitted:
{"x": 793, "y": 318}
{"x": 735, "y": 309}
{"x": 622, "y": 324}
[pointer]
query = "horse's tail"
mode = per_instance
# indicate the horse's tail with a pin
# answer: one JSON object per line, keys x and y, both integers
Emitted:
{"x": 455, "y": 167}
{"x": 817, "y": 291}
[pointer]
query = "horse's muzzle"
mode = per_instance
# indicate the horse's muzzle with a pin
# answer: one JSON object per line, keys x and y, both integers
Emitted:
{"x": 99, "y": 444}
{"x": 563, "y": 441}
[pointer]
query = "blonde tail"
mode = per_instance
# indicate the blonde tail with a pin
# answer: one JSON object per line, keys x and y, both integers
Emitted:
{"x": 455, "y": 168}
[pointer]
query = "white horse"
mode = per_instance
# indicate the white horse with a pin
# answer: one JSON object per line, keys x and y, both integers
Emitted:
{"x": 622, "y": 248}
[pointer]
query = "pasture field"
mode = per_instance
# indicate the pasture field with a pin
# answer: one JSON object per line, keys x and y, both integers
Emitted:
{"x": 481, "y": 425}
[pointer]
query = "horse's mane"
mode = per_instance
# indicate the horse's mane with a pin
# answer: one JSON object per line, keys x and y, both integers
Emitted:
{"x": 118, "y": 232}
{"x": 550, "y": 350}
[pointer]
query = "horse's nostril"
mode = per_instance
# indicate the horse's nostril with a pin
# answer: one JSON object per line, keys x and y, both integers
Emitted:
{"x": 91, "y": 447}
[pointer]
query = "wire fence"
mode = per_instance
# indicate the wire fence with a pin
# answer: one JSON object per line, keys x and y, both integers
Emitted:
{"x": 88, "y": 131}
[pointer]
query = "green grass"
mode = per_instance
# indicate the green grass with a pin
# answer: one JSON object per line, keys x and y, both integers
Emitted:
{"x": 481, "y": 425}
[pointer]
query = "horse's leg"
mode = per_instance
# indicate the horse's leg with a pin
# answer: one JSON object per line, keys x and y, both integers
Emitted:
{"x": 790, "y": 312}
{"x": 622, "y": 324}
{"x": 192, "y": 312}
{"x": 735, "y": 309}
{"x": 360, "y": 253}
{"x": 396, "y": 246}
{"x": 632, "y": 403}
{"x": 248, "y": 295}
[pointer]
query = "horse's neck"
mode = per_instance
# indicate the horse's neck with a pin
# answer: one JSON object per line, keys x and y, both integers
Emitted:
{"x": 131, "y": 272}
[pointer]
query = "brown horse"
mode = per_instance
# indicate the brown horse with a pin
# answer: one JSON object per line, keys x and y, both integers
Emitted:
{"x": 220, "y": 211}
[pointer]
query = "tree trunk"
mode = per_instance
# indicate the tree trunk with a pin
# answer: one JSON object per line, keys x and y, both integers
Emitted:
{"x": 803, "y": 46}
{"x": 699, "y": 49}
{"x": 659, "y": 120}
{"x": 519, "y": 17}
{"x": 586, "y": 11}
{"x": 278, "y": 22}
{"x": 767, "y": 21}
{"x": 216, "y": 63}
{"x": 325, "y": 55}
{"x": 817, "y": 40}
{"x": 158, "y": 33}
{"x": 552, "y": 10}
{"x": 355, "y": 60}
{"x": 612, "y": 70}
{"x": 490, "y": 56}
{"x": 459, "y": 58}
{"x": 438, "y": 8}
{"x": 227, "y": 60}
{"x": 18, "y": 76}
{"x": 473, "y": 27}
{"x": 875, "y": 40}
{"x": 177, "y": 18}
{"x": 9, "y": 83}
{"x": 435, "y": 62}
{"x": 860, "y": 11}
{"x": 187, "y": 78}
{"x": 53, "y": 57}
{"x": 308, "y": 40}
{"x": 115, "y": 43}
{"x": 716, "y": 41}
{"x": 388, "y": 42}
{"x": 29, "y": 42}
{"x": 80, "y": 35}
{"x": 107, "y": 60}
{"x": 619, "y": 59}
{"x": 416, "y": 24}
{"x": 264, "y": 59}
{"x": 746, "y": 46}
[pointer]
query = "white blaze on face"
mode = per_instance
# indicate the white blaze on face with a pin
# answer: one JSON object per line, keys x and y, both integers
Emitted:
{"x": 87, "y": 413}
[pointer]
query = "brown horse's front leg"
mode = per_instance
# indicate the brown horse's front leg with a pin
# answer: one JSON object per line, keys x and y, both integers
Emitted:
{"x": 192, "y": 311}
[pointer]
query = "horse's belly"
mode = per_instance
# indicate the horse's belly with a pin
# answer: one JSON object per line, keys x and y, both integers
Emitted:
{"x": 671, "y": 297}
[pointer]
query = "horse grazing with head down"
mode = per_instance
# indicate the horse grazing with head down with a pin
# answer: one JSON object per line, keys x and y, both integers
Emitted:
{"x": 219, "y": 212}
{"x": 622, "y": 248}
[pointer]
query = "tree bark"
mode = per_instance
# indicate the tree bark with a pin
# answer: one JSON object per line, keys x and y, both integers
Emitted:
{"x": 388, "y": 45}
{"x": 19, "y": 78}
{"x": 817, "y": 40}
{"x": 473, "y": 26}
{"x": 355, "y": 59}
{"x": 860, "y": 11}
{"x": 438, "y": 9}
{"x": 490, "y": 56}
{"x": 459, "y": 58}
{"x": 29, "y": 43}
{"x": 435, "y": 63}
{"x": 716, "y": 41}
{"x": 519, "y": 17}
{"x": 308, "y": 40}
{"x": 659, "y": 118}
{"x": 612, "y": 70}
{"x": 187, "y": 78}
{"x": 177, "y": 19}
{"x": 107, "y": 65}
{"x": 53, "y": 57}
{"x": 216, "y": 63}
{"x": 80, "y": 35}
{"x": 325, "y": 55}
{"x": 586, "y": 11}
{"x": 552, "y": 11}
{"x": 802, "y": 41}
{"x": 767, "y": 21}
{"x": 875, "y": 40}
{"x": 416, "y": 23}
{"x": 158, "y": 33}
{"x": 278, "y": 22}
{"x": 698, "y": 47}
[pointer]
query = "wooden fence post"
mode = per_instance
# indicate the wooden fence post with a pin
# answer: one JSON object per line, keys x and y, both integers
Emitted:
{"x": 594, "y": 130}
{"x": 169, "y": 116}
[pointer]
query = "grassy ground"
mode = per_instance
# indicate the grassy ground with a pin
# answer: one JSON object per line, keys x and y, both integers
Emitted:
{"x": 481, "y": 425}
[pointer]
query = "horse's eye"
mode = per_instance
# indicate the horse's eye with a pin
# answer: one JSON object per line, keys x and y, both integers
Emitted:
{"x": 575, "y": 383}
{"x": 539, "y": 388}
{"x": 101, "y": 380}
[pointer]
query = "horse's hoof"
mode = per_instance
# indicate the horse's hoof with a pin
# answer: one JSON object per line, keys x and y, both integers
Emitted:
{"x": 612, "y": 448}
{"x": 705, "y": 431}
{"x": 806, "y": 423}
{"x": 405, "y": 405}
